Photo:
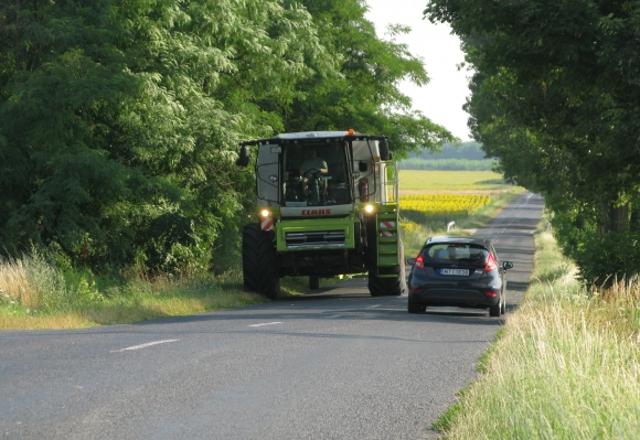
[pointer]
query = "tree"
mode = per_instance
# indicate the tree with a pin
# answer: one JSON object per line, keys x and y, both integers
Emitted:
{"x": 363, "y": 92}
{"x": 555, "y": 98}
{"x": 118, "y": 121}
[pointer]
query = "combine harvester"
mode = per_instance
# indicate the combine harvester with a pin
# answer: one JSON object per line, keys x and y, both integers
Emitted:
{"x": 327, "y": 205}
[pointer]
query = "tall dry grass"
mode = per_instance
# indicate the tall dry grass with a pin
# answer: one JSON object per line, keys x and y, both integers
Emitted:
{"x": 30, "y": 281}
{"x": 34, "y": 293}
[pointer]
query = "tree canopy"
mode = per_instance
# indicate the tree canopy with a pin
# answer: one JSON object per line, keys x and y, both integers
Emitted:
{"x": 119, "y": 120}
{"x": 555, "y": 98}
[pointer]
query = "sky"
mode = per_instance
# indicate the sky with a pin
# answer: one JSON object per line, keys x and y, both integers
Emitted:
{"x": 441, "y": 100}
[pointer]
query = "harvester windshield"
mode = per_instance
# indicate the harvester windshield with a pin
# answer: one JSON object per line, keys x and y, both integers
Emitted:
{"x": 315, "y": 174}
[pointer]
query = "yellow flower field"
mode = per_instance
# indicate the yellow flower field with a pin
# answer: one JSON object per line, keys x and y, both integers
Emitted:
{"x": 443, "y": 204}
{"x": 430, "y": 200}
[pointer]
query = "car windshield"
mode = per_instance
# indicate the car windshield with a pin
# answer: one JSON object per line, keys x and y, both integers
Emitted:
{"x": 456, "y": 252}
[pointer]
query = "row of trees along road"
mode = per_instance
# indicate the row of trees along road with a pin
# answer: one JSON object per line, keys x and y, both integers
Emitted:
{"x": 119, "y": 120}
{"x": 556, "y": 97}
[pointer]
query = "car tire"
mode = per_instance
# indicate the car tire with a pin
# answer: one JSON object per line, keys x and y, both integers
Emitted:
{"x": 494, "y": 311}
{"x": 314, "y": 283}
{"x": 415, "y": 306}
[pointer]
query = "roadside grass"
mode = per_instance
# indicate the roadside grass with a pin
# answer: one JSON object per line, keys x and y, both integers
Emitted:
{"x": 36, "y": 294}
{"x": 567, "y": 365}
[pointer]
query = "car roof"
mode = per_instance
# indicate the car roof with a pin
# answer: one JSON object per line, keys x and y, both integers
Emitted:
{"x": 485, "y": 242}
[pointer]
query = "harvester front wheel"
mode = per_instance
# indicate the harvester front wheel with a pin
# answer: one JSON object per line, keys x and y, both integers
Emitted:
{"x": 259, "y": 261}
{"x": 389, "y": 286}
{"x": 384, "y": 286}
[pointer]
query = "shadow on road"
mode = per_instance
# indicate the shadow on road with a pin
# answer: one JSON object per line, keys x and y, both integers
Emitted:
{"x": 319, "y": 307}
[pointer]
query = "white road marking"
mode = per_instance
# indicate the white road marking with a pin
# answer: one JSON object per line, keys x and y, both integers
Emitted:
{"x": 264, "y": 324}
{"x": 145, "y": 345}
{"x": 375, "y": 306}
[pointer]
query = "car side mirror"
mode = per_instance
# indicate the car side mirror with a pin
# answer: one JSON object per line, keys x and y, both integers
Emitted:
{"x": 506, "y": 265}
{"x": 243, "y": 157}
{"x": 411, "y": 261}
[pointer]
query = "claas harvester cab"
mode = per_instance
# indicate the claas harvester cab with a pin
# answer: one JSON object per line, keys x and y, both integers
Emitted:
{"x": 327, "y": 205}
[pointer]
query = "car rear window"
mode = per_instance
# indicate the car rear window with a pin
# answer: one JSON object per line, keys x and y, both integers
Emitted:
{"x": 456, "y": 252}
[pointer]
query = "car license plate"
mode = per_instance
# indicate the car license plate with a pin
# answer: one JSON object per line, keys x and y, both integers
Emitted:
{"x": 455, "y": 272}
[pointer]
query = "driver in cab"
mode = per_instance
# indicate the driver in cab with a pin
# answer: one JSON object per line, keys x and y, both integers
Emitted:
{"x": 315, "y": 170}
{"x": 314, "y": 163}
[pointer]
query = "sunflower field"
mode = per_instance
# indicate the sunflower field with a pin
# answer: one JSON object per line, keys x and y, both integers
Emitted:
{"x": 423, "y": 215}
{"x": 438, "y": 205}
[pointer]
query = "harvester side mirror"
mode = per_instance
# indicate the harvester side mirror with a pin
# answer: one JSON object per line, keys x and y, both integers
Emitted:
{"x": 384, "y": 150}
{"x": 410, "y": 261}
{"x": 363, "y": 166}
{"x": 243, "y": 157}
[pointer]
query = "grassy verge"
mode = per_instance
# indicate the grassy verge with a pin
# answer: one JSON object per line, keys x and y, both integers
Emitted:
{"x": 35, "y": 294}
{"x": 566, "y": 367}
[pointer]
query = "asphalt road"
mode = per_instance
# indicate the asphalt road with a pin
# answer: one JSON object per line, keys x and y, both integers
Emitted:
{"x": 338, "y": 365}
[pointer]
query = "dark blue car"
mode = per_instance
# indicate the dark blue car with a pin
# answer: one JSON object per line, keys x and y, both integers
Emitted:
{"x": 458, "y": 271}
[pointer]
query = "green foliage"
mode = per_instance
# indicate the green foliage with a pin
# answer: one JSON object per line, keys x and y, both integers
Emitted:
{"x": 555, "y": 98}
{"x": 618, "y": 252}
{"x": 119, "y": 121}
{"x": 362, "y": 93}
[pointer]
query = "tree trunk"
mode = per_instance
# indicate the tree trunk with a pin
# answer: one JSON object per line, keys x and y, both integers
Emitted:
{"x": 614, "y": 218}
{"x": 619, "y": 218}
{"x": 634, "y": 221}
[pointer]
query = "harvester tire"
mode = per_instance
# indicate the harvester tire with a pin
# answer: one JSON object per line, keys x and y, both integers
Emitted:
{"x": 389, "y": 286}
{"x": 384, "y": 286}
{"x": 259, "y": 261}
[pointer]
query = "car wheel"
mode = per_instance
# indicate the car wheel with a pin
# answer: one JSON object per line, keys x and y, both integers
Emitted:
{"x": 494, "y": 311}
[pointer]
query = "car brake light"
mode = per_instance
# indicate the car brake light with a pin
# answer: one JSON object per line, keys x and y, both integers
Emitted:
{"x": 490, "y": 265}
{"x": 419, "y": 262}
{"x": 490, "y": 293}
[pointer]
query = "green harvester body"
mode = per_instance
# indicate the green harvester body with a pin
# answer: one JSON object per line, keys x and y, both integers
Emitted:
{"x": 327, "y": 206}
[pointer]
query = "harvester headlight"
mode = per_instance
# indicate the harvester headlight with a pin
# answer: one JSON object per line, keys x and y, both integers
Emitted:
{"x": 369, "y": 209}
{"x": 265, "y": 213}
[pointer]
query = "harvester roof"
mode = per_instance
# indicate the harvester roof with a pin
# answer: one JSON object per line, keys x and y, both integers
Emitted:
{"x": 312, "y": 136}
